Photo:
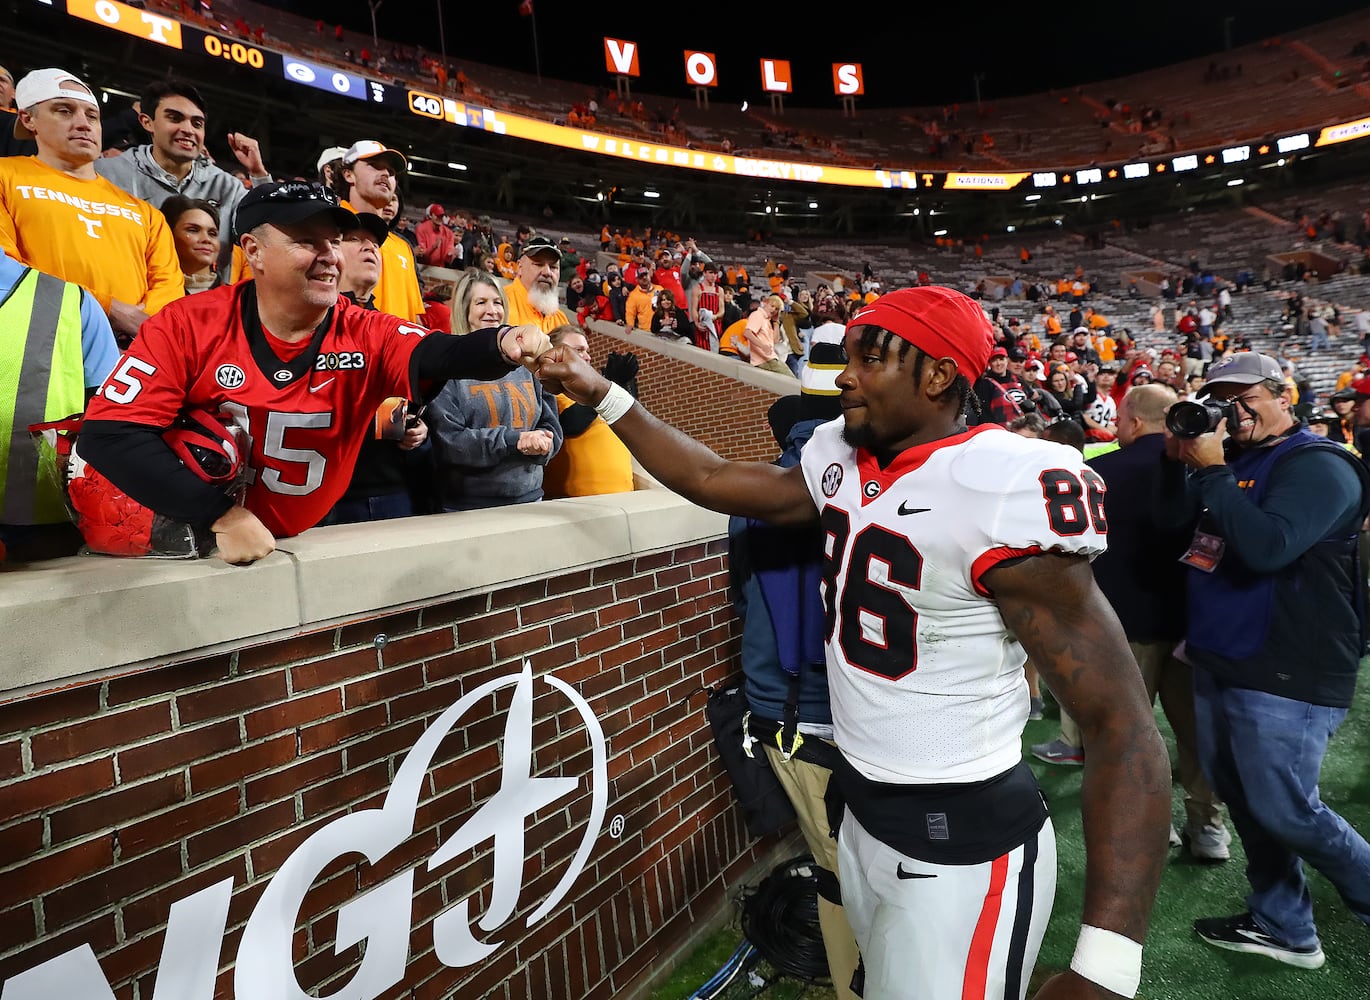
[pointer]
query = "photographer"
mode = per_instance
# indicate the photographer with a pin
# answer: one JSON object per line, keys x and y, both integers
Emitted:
{"x": 1275, "y": 619}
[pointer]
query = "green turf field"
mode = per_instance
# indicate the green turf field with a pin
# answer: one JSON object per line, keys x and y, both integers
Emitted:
{"x": 1177, "y": 966}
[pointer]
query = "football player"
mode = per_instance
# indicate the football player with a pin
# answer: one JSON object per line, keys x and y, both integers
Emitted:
{"x": 950, "y": 555}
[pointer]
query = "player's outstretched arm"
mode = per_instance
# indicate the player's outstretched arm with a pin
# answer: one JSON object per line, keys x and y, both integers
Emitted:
{"x": 1051, "y": 603}
{"x": 752, "y": 489}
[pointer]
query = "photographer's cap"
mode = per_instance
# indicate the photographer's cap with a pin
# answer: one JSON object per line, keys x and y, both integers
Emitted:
{"x": 1245, "y": 369}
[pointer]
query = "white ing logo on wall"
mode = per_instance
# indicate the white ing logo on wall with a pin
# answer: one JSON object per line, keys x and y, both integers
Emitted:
{"x": 382, "y": 916}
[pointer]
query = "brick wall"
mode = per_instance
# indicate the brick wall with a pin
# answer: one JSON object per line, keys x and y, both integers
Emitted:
{"x": 727, "y": 415}
{"x": 127, "y": 795}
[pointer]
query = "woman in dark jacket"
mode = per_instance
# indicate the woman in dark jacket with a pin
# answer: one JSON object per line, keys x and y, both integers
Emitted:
{"x": 1068, "y": 393}
{"x": 669, "y": 320}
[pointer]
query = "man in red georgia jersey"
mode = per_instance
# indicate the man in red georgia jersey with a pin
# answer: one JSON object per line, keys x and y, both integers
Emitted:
{"x": 300, "y": 368}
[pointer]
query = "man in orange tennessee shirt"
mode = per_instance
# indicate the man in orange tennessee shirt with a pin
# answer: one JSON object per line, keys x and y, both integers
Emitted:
{"x": 367, "y": 181}
{"x": 58, "y": 216}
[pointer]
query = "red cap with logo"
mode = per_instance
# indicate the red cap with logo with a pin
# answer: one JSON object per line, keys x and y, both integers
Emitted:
{"x": 939, "y": 321}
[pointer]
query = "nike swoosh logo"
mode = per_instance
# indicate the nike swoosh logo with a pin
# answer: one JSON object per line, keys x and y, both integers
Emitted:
{"x": 903, "y": 874}
{"x": 904, "y": 508}
{"x": 323, "y": 385}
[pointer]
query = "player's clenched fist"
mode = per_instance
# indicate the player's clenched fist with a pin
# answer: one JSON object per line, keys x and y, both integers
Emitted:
{"x": 577, "y": 379}
{"x": 524, "y": 344}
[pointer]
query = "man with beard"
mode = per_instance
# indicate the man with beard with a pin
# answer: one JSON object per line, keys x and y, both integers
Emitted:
{"x": 1275, "y": 634}
{"x": 532, "y": 294}
{"x": 1082, "y": 347}
{"x": 950, "y": 556}
{"x": 369, "y": 178}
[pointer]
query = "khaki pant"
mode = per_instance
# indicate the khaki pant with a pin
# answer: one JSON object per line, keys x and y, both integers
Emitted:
{"x": 777, "y": 366}
{"x": 1174, "y": 682}
{"x": 806, "y": 784}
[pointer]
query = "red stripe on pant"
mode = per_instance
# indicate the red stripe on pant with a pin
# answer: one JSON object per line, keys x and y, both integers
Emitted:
{"x": 982, "y": 941}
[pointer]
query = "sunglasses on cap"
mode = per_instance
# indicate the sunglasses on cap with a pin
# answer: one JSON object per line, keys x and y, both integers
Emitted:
{"x": 301, "y": 191}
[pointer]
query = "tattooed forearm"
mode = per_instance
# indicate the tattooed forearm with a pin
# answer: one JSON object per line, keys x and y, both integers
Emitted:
{"x": 1073, "y": 638}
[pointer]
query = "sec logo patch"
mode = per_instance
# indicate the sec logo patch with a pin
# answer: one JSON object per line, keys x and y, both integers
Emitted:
{"x": 229, "y": 376}
{"x": 832, "y": 479}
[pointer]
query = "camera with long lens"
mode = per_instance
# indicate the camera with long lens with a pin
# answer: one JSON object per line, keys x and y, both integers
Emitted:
{"x": 1190, "y": 418}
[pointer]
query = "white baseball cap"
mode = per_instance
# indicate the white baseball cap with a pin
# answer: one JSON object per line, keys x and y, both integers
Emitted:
{"x": 369, "y": 149}
{"x": 329, "y": 155}
{"x": 48, "y": 85}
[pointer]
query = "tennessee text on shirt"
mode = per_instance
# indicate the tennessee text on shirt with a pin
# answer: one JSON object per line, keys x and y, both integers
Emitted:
{"x": 29, "y": 192}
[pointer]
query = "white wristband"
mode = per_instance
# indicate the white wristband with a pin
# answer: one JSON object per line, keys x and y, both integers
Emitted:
{"x": 1109, "y": 959}
{"x": 616, "y": 402}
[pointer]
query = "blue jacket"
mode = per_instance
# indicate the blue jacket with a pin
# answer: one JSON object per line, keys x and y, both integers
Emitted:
{"x": 775, "y": 575}
{"x": 1283, "y": 611}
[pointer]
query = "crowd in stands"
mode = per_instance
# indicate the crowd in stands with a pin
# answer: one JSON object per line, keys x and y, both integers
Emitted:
{"x": 1063, "y": 362}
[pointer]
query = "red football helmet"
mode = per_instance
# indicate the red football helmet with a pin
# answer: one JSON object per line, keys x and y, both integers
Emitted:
{"x": 115, "y": 524}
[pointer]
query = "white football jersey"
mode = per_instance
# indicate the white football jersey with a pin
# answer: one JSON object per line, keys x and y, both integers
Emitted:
{"x": 926, "y": 682}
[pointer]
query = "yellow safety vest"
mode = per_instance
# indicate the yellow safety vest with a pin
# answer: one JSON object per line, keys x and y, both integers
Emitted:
{"x": 42, "y": 377}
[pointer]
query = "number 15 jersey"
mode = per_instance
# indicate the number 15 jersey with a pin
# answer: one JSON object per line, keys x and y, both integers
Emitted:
{"x": 926, "y": 681}
{"x": 307, "y": 415}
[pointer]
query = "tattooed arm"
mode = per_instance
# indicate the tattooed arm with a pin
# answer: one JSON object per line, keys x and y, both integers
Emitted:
{"x": 1051, "y": 603}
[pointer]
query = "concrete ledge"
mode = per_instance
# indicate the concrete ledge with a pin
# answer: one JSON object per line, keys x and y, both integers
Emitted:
{"x": 70, "y": 618}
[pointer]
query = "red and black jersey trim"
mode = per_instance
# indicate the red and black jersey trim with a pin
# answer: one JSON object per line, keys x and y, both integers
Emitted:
{"x": 271, "y": 366}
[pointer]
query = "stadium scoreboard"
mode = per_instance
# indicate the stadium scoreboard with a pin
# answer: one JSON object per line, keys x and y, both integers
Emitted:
{"x": 226, "y": 49}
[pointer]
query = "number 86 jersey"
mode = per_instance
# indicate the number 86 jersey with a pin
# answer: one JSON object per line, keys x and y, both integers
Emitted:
{"x": 926, "y": 681}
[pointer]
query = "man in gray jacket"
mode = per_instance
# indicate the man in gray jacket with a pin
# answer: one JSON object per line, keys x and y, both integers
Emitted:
{"x": 175, "y": 162}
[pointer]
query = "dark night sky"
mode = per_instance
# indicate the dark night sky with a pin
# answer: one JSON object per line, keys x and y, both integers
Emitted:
{"x": 927, "y": 57}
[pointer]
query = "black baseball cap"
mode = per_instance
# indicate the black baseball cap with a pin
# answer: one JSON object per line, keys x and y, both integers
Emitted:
{"x": 285, "y": 203}
{"x": 541, "y": 244}
{"x": 373, "y": 224}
